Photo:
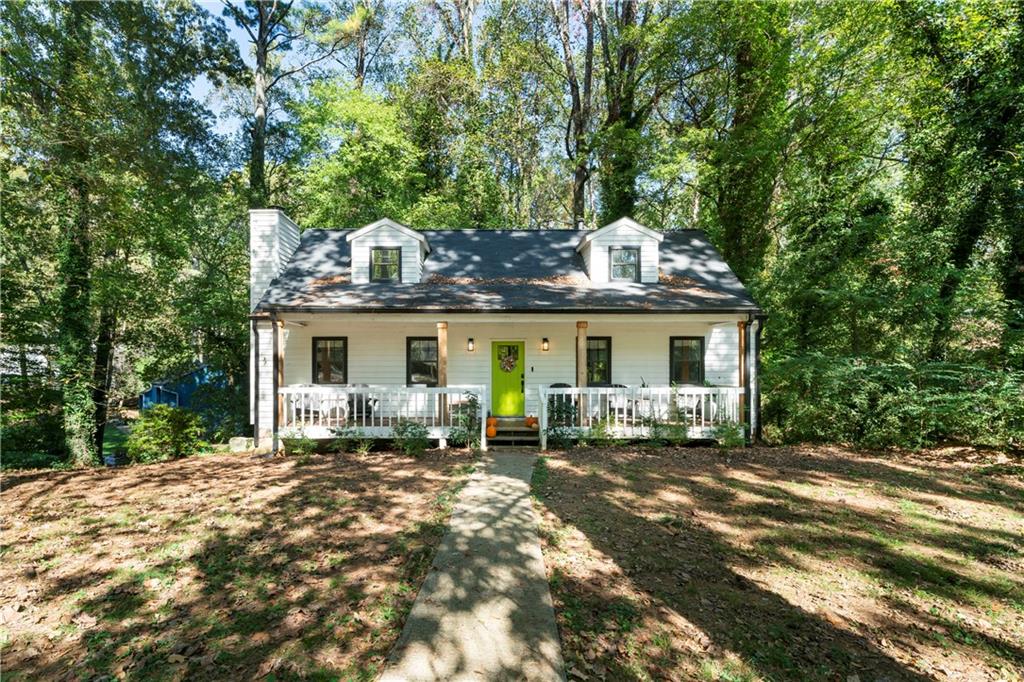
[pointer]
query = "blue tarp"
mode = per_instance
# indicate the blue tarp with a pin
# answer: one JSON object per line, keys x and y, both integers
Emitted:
{"x": 178, "y": 392}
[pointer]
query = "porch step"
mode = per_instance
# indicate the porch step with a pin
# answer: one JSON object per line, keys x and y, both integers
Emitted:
{"x": 514, "y": 431}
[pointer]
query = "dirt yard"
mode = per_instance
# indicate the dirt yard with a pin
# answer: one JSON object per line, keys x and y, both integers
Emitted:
{"x": 224, "y": 567}
{"x": 785, "y": 564}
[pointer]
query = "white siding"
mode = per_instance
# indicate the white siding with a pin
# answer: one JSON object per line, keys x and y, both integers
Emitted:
{"x": 595, "y": 253}
{"x": 412, "y": 262}
{"x": 640, "y": 349}
{"x": 266, "y": 377}
{"x": 273, "y": 238}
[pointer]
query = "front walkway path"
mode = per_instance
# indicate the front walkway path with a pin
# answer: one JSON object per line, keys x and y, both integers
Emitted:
{"x": 484, "y": 611}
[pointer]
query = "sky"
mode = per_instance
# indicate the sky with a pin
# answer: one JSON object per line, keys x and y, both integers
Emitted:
{"x": 203, "y": 90}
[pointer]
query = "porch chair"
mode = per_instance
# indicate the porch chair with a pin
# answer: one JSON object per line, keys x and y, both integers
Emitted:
{"x": 362, "y": 405}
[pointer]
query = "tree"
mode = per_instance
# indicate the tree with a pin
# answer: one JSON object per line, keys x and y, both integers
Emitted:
{"x": 275, "y": 28}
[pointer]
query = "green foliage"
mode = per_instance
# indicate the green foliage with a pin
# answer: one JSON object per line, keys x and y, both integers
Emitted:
{"x": 599, "y": 435}
{"x": 410, "y": 437}
{"x": 164, "y": 432}
{"x": 826, "y": 399}
{"x": 562, "y": 418}
{"x": 303, "y": 448}
{"x": 729, "y": 435}
{"x": 672, "y": 432}
{"x": 347, "y": 439}
{"x": 31, "y": 427}
{"x": 466, "y": 429}
{"x": 223, "y": 409}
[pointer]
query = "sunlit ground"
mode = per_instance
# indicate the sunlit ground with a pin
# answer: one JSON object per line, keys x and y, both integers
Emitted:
{"x": 227, "y": 567}
{"x": 789, "y": 563}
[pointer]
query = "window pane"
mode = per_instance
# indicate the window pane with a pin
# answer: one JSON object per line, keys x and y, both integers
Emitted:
{"x": 686, "y": 361}
{"x": 624, "y": 256}
{"x": 625, "y": 264}
{"x": 330, "y": 362}
{"x": 423, "y": 361}
{"x": 599, "y": 361}
{"x": 384, "y": 264}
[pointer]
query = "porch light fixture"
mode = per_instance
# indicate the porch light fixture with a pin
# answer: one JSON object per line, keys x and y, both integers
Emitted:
{"x": 470, "y": 346}
{"x": 545, "y": 345}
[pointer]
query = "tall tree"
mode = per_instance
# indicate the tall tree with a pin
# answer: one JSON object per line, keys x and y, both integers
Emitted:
{"x": 581, "y": 86}
{"x": 274, "y": 29}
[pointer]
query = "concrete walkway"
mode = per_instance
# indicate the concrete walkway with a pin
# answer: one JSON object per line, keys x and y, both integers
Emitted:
{"x": 484, "y": 612}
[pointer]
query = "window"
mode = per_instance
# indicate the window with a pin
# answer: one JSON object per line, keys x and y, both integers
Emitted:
{"x": 330, "y": 360}
{"x": 385, "y": 264}
{"x": 686, "y": 360}
{"x": 599, "y": 360}
{"x": 421, "y": 360}
{"x": 624, "y": 263}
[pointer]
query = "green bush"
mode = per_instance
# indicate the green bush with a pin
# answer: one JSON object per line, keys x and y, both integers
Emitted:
{"x": 729, "y": 435}
{"x": 410, "y": 437}
{"x": 165, "y": 432}
{"x": 668, "y": 433}
{"x": 31, "y": 428}
{"x": 223, "y": 409}
{"x": 818, "y": 398}
{"x": 347, "y": 439}
{"x": 466, "y": 429}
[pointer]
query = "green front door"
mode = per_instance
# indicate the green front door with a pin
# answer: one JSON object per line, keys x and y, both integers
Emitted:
{"x": 508, "y": 371}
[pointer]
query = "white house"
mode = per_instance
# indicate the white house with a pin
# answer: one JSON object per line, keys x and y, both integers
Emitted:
{"x": 621, "y": 328}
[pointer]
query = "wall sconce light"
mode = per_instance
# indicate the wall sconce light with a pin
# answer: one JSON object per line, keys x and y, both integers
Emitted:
{"x": 470, "y": 346}
{"x": 545, "y": 345}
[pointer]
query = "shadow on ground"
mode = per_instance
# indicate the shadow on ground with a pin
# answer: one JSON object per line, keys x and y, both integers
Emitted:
{"x": 220, "y": 568}
{"x": 783, "y": 564}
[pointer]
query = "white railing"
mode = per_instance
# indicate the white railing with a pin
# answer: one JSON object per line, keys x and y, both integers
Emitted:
{"x": 638, "y": 411}
{"x": 373, "y": 411}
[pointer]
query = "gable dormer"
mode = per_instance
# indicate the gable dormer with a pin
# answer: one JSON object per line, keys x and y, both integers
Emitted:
{"x": 387, "y": 251}
{"x": 623, "y": 251}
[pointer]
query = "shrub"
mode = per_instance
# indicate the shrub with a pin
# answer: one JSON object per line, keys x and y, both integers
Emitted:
{"x": 347, "y": 439}
{"x": 165, "y": 432}
{"x": 31, "y": 428}
{"x": 820, "y": 398}
{"x": 410, "y": 437}
{"x": 729, "y": 435}
{"x": 668, "y": 433}
{"x": 600, "y": 435}
{"x": 466, "y": 419}
{"x": 223, "y": 409}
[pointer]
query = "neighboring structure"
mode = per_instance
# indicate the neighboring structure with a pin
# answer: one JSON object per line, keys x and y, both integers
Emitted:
{"x": 178, "y": 392}
{"x": 621, "y": 328}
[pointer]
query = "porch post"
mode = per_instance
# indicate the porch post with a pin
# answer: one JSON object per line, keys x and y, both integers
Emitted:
{"x": 741, "y": 327}
{"x": 276, "y": 327}
{"x": 442, "y": 373}
{"x": 581, "y": 365}
{"x": 254, "y": 383}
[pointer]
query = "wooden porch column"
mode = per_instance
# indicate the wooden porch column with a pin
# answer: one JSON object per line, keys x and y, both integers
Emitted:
{"x": 277, "y": 330}
{"x": 442, "y": 369}
{"x": 581, "y": 365}
{"x": 741, "y": 327}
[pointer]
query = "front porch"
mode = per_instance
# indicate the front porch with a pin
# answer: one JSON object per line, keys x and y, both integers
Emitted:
{"x": 624, "y": 376}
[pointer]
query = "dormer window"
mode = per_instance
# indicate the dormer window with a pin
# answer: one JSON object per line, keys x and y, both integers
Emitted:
{"x": 624, "y": 263}
{"x": 385, "y": 264}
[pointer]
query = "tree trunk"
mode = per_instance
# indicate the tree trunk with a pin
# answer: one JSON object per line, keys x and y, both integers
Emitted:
{"x": 577, "y": 146}
{"x": 261, "y": 84}
{"x": 101, "y": 376}
{"x": 74, "y": 335}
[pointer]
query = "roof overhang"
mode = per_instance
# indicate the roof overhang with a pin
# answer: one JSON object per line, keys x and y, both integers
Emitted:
{"x": 388, "y": 223}
{"x": 625, "y": 222}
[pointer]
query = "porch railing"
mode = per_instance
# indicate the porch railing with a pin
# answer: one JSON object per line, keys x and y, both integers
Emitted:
{"x": 638, "y": 411}
{"x": 373, "y": 411}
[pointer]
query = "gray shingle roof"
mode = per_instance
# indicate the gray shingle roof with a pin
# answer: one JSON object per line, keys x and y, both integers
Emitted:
{"x": 506, "y": 271}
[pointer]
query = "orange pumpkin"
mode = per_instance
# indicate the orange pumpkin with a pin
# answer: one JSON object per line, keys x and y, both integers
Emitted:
{"x": 492, "y": 432}
{"x": 492, "y": 421}
{"x": 530, "y": 421}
